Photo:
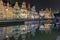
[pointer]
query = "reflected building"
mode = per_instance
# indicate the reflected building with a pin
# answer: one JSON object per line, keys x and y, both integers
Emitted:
{"x": 1, "y": 33}
{"x": 48, "y": 27}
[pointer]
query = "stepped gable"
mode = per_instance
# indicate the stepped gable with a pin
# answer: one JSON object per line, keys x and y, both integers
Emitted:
{"x": 23, "y": 11}
{"x": 47, "y": 13}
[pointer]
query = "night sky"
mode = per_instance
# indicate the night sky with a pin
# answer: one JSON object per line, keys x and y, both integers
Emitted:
{"x": 47, "y": 3}
{"x": 42, "y": 3}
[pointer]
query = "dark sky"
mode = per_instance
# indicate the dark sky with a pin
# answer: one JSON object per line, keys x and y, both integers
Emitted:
{"x": 43, "y": 3}
{"x": 47, "y": 3}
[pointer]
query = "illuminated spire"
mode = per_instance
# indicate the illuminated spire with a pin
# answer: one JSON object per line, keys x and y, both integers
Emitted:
{"x": 8, "y": 5}
{"x": 33, "y": 10}
{"x": 16, "y": 6}
{"x": 47, "y": 10}
{"x": 48, "y": 13}
{"x": 23, "y": 5}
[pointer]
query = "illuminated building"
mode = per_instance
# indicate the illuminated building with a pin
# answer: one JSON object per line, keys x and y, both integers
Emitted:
{"x": 8, "y": 12}
{"x": 45, "y": 14}
{"x": 48, "y": 13}
{"x": 55, "y": 11}
{"x": 36, "y": 15}
{"x": 28, "y": 8}
{"x": 41, "y": 14}
{"x": 1, "y": 33}
{"x": 33, "y": 11}
{"x": 2, "y": 16}
{"x": 23, "y": 11}
{"x": 1, "y": 4}
{"x": 16, "y": 11}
